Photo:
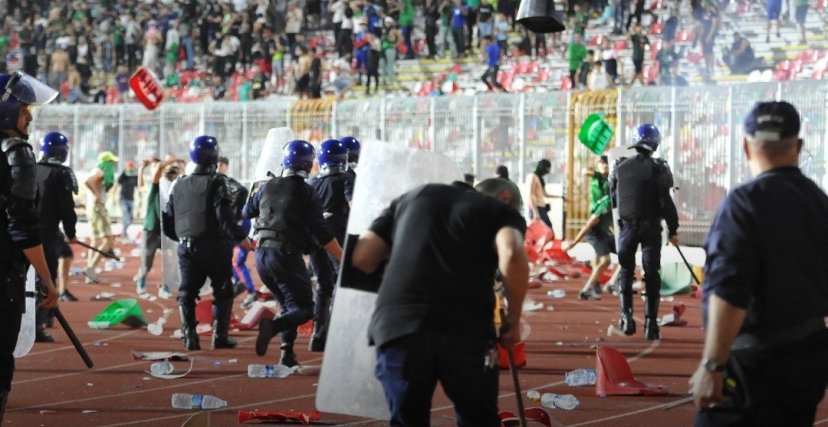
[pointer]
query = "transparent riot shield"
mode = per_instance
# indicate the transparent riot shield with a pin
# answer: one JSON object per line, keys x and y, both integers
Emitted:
{"x": 270, "y": 158}
{"x": 347, "y": 384}
{"x": 26, "y": 337}
{"x": 169, "y": 247}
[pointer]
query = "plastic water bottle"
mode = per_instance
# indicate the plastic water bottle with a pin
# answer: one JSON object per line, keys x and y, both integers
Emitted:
{"x": 196, "y": 401}
{"x": 162, "y": 368}
{"x": 566, "y": 402}
{"x": 580, "y": 377}
{"x": 268, "y": 371}
{"x": 533, "y": 395}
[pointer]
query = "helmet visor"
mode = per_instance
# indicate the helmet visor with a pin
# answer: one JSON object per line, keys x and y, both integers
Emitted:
{"x": 28, "y": 89}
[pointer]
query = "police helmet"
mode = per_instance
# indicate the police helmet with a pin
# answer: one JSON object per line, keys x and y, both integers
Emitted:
{"x": 17, "y": 90}
{"x": 204, "y": 150}
{"x": 55, "y": 145}
{"x": 332, "y": 153}
{"x": 353, "y": 148}
{"x": 647, "y": 137}
{"x": 298, "y": 155}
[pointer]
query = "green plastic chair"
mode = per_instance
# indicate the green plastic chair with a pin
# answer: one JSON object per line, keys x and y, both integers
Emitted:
{"x": 595, "y": 133}
{"x": 124, "y": 311}
{"x": 675, "y": 279}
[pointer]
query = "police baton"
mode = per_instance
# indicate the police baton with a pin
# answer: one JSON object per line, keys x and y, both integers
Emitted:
{"x": 692, "y": 273}
{"x": 505, "y": 327}
{"x": 110, "y": 255}
{"x": 72, "y": 337}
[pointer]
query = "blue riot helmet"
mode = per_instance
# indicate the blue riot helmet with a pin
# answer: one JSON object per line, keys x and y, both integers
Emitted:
{"x": 646, "y": 137}
{"x": 55, "y": 146}
{"x": 297, "y": 157}
{"x": 204, "y": 150}
{"x": 333, "y": 155}
{"x": 18, "y": 90}
{"x": 352, "y": 144}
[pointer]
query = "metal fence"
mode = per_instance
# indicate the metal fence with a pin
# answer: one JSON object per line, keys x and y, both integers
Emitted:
{"x": 702, "y": 128}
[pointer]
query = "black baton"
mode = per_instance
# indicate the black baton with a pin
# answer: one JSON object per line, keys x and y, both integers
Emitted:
{"x": 72, "y": 337}
{"x": 512, "y": 368}
{"x": 105, "y": 254}
{"x": 692, "y": 273}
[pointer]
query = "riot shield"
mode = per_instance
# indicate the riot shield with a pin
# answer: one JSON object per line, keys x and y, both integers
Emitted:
{"x": 270, "y": 159}
{"x": 347, "y": 384}
{"x": 26, "y": 337}
{"x": 169, "y": 247}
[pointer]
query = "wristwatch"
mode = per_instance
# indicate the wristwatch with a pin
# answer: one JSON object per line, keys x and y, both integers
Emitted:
{"x": 711, "y": 365}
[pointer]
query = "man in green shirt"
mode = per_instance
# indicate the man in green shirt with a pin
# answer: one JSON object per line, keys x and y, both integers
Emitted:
{"x": 151, "y": 237}
{"x": 598, "y": 230}
{"x": 639, "y": 42}
{"x": 576, "y": 54}
{"x": 407, "y": 26}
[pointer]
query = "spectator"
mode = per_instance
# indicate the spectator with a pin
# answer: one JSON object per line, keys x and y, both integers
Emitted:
{"x": 472, "y": 7}
{"x": 373, "y": 60}
{"x": 580, "y": 20}
{"x": 666, "y": 57}
{"x": 609, "y": 58}
{"x": 132, "y": 36}
{"x": 576, "y": 54}
{"x": 171, "y": 48}
{"x": 801, "y": 14}
{"x": 619, "y": 6}
{"x": 740, "y": 57}
{"x": 458, "y": 25}
{"x": 492, "y": 64}
{"x": 338, "y": 8}
{"x": 341, "y": 77}
{"x": 639, "y": 41}
{"x": 774, "y": 8}
{"x": 598, "y": 79}
{"x": 127, "y": 181}
{"x": 636, "y": 15}
{"x": 316, "y": 74}
{"x": 432, "y": 17}
{"x": 710, "y": 29}
{"x": 485, "y": 24}
{"x": 293, "y": 26}
{"x": 407, "y": 25}
{"x": 668, "y": 33}
{"x": 585, "y": 70}
{"x": 390, "y": 39}
{"x": 446, "y": 38}
{"x": 502, "y": 32}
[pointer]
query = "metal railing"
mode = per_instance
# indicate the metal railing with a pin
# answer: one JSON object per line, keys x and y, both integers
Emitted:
{"x": 701, "y": 128}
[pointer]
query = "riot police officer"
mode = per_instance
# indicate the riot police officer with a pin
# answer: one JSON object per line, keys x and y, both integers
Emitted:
{"x": 640, "y": 190}
{"x": 206, "y": 228}
{"x": 55, "y": 185}
{"x": 353, "y": 146}
{"x": 290, "y": 224}
{"x": 19, "y": 226}
{"x": 335, "y": 189}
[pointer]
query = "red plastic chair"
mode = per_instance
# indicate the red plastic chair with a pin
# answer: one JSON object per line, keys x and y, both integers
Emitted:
{"x": 620, "y": 45}
{"x": 566, "y": 83}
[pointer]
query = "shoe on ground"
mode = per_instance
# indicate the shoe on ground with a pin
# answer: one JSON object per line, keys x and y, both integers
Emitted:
{"x": 627, "y": 324}
{"x": 43, "y": 336}
{"x": 164, "y": 291}
{"x": 589, "y": 295}
{"x": 91, "y": 276}
{"x": 223, "y": 342}
{"x": 141, "y": 287}
{"x": 248, "y": 301}
{"x": 288, "y": 358}
{"x": 67, "y": 296}
{"x": 651, "y": 330}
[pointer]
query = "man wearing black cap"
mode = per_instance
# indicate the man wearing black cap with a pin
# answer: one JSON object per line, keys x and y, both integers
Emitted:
{"x": 766, "y": 287}
{"x": 640, "y": 190}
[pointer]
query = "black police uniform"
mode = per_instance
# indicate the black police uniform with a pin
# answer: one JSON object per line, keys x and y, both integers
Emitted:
{"x": 19, "y": 229}
{"x": 766, "y": 254}
{"x": 640, "y": 189}
{"x": 55, "y": 185}
{"x": 335, "y": 190}
{"x": 290, "y": 224}
{"x": 206, "y": 228}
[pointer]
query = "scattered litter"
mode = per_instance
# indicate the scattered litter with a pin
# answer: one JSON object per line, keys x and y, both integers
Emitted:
{"x": 155, "y": 356}
{"x": 103, "y": 296}
{"x": 157, "y": 328}
{"x": 47, "y": 412}
{"x": 124, "y": 311}
{"x": 115, "y": 285}
{"x": 566, "y": 402}
{"x": 530, "y": 305}
{"x": 580, "y": 377}
{"x": 177, "y": 334}
{"x": 309, "y": 369}
{"x": 89, "y": 384}
{"x": 97, "y": 344}
{"x": 533, "y": 395}
{"x": 153, "y": 299}
{"x": 167, "y": 310}
{"x": 172, "y": 375}
{"x": 89, "y": 411}
{"x": 597, "y": 322}
{"x": 149, "y": 310}
{"x": 550, "y": 308}
{"x": 557, "y": 293}
{"x": 304, "y": 418}
{"x": 135, "y": 252}
{"x": 232, "y": 361}
{"x": 146, "y": 378}
{"x": 559, "y": 343}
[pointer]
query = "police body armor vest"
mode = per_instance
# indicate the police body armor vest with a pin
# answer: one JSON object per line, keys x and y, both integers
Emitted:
{"x": 282, "y": 210}
{"x": 637, "y": 193}
{"x": 193, "y": 205}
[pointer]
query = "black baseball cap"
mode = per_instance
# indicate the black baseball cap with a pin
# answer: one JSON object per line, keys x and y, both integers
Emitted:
{"x": 772, "y": 121}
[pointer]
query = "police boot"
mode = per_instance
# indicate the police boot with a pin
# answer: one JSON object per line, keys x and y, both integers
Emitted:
{"x": 40, "y": 332}
{"x": 188, "y": 327}
{"x": 288, "y": 357}
{"x": 320, "y": 326}
{"x": 627, "y": 323}
{"x": 651, "y": 330}
{"x": 4, "y": 397}
{"x": 268, "y": 328}
{"x": 224, "y": 310}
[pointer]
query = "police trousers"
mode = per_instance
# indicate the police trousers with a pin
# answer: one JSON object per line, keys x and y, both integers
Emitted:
{"x": 284, "y": 273}
{"x": 647, "y": 233}
{"x": 199, "y": 259}
{"x": 12, "y": 300}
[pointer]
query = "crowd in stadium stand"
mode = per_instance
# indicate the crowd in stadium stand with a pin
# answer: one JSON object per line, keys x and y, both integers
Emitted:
{"x": 257, "y": 48}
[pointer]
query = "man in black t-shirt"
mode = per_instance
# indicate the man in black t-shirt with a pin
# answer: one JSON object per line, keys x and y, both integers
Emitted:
{"x": 127, "y": 180}
{"x": 433, "y": 319}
